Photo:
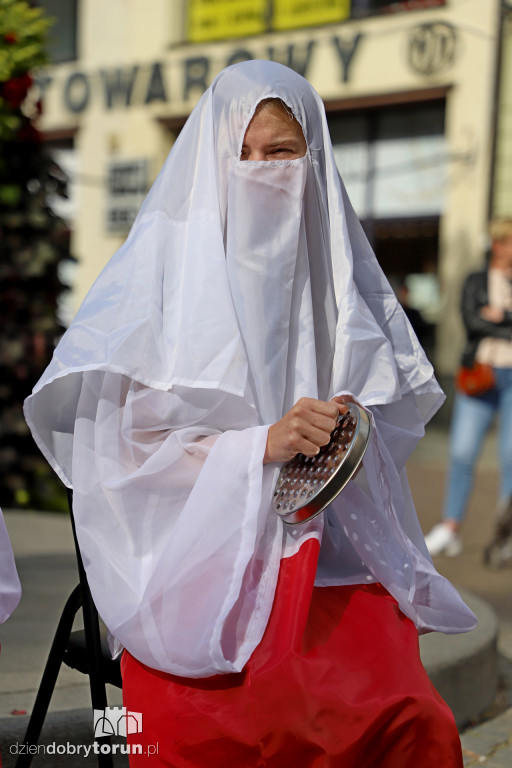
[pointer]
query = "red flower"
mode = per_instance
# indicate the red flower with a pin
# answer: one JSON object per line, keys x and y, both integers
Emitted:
{"x": 15, "y": 90}
{"x": 11, "y": 37}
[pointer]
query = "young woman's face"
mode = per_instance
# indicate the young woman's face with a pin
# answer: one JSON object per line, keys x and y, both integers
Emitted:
{"x": 273, "y": 134}
{"x": 502, "y": 253}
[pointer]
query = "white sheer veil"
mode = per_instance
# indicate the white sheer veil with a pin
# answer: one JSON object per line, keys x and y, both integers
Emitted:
{"x": 10, "y": 587}
{"x": 241, "y": 287}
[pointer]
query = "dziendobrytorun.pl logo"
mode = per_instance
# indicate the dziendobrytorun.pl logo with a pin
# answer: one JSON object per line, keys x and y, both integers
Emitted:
{"x": 112, "y": 721}
{"x": 116, "y": 721}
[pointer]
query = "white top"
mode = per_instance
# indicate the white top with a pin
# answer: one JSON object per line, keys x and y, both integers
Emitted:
{"x": 241, "y": 287}
{"x": 491, "y": 350}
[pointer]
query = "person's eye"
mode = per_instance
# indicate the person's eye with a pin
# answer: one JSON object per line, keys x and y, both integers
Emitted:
{"x": 282, "y": 150}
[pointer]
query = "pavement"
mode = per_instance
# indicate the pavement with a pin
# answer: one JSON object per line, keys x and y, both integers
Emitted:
{"x": 475, "y": 669}
{"x": 487, "y": 739}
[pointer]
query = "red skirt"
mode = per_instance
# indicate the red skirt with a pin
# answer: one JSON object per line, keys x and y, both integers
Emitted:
{"x": 336, "y": 682}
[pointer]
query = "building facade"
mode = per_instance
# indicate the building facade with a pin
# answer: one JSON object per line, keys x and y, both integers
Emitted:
{"x": 411, "y": 91}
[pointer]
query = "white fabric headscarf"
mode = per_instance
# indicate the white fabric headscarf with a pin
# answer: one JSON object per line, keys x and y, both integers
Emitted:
{"x": 241, "y": 287}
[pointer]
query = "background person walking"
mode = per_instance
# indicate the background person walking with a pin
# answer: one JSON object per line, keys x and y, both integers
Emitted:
{"x": 486, "y": 377}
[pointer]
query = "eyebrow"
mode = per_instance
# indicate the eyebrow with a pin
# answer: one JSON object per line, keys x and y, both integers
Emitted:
{"x": 277, "y": 142}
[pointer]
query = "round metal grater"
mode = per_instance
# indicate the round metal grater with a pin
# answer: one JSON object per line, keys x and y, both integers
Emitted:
{"x": 307, "y": 485}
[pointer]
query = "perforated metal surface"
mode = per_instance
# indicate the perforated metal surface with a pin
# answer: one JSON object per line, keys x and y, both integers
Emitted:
{"x": 306, "y": 485}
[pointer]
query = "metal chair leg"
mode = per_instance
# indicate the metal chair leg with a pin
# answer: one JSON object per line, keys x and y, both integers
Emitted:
{"x": 50, "y": 674}
{"x": 92, "y": 644}
{"x": 80, "y": 597}
{"x": 96, "y": 680}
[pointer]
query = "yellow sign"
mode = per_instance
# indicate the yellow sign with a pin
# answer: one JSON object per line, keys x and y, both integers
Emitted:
{"x": 290, "y": 14}
{"x": 220, "y": 19}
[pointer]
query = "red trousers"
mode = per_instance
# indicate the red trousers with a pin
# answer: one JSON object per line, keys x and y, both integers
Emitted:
{"x": 337, "y": 682}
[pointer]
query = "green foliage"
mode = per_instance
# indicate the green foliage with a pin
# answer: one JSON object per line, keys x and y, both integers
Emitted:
{"x": 23, "y": 33}
{"x": 33, "y": 244}
{"x": 10, "y": 194}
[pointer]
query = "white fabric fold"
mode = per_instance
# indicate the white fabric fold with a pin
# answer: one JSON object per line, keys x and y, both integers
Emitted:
{"x": 241, "y": 288}
{"x": 372, "y": 511}
{"x": 10, "y": 587}
{"x": 176, "y": 566}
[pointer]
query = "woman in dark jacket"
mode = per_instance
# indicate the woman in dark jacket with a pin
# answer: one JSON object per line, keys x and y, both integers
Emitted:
{"x": 487, "y": 315}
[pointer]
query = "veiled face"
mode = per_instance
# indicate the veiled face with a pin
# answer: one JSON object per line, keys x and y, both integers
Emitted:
{"x": 273, "y": 134}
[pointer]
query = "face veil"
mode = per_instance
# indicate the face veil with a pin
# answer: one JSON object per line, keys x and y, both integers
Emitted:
{"x": 241, "y": 287}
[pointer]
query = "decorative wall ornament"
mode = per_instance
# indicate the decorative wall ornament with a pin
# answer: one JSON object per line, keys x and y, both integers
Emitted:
{"x": 432, "y": 47}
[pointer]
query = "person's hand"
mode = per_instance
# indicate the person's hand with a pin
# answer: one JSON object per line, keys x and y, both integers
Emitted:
{"x": 305, "y": 428}
{"x": 492, "y": 314}
{"x": 343, "y": 399}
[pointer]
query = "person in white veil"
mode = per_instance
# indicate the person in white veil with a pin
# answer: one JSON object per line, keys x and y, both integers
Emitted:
{"x": 245, "y": 308}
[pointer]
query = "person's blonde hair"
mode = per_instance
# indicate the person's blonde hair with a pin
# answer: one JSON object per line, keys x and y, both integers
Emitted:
{"x": 277, "y": 104}
{"x": 500, "y": 229}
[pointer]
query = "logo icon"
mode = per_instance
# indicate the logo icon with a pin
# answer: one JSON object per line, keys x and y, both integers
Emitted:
{"x": 432, "y": 47}
{"x": 116, "y": 721}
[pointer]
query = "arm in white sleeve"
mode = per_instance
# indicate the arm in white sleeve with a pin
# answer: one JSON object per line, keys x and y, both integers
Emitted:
{"x": 172, "y": 520}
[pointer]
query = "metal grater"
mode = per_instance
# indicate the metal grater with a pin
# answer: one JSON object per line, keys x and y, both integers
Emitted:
{"x": 307, "y": 485}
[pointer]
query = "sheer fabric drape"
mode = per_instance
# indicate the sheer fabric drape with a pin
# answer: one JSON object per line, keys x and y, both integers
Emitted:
{"x": 10, "y": 587}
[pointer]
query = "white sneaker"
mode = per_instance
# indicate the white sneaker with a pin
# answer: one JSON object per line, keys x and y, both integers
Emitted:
{"x": 443, "y": 540}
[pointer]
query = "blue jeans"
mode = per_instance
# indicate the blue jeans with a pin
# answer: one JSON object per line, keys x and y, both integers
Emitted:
{"x": 472, "y": 418}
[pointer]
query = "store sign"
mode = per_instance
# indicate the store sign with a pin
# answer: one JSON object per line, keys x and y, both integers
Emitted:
{"x": 127, "y": 185}
{"x": 134, "y": 85}
{"x": 223, "y": 19}
{"x": 292, "y": 14}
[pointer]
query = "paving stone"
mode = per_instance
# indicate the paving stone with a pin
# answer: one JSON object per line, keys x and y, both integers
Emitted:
{"x": 499, "y": 761}
{"x": 481, "y": 742}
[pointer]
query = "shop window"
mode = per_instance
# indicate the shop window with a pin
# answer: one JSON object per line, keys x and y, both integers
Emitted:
{"x": 410, "y": 163}
{"x": 394, "y": 163}
{"x": 393, "y": 160}
{"x": 62, "y": 40}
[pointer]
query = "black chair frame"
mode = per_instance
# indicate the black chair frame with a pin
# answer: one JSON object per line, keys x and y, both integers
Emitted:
{"x": 85, "y": 650}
